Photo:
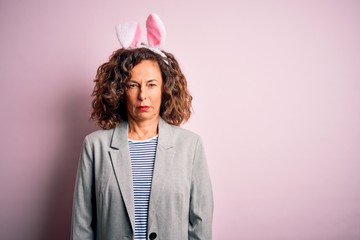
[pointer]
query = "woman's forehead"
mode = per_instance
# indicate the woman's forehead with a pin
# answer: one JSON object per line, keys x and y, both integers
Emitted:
{"x": 146, "y": 70}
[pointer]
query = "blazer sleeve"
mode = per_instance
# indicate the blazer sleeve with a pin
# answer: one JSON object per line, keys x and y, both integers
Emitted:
{"x": 201, "y": 198}
{"x": 83, "y": 216}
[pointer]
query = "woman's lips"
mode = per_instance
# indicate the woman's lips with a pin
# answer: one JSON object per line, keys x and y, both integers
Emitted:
{"x": 143, "y": 108}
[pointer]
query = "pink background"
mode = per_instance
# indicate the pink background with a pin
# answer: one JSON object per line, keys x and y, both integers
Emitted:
{"x": 277, "y": 102}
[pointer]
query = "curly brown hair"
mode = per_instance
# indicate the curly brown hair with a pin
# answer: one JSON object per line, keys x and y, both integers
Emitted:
{"x": 108, "y": 104}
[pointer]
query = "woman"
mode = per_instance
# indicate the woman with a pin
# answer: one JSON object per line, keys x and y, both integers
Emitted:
{"x": 142, "y": 176}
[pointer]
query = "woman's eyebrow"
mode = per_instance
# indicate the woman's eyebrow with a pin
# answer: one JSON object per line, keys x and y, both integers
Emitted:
{"x": 152, "y": 80}
{"x": 148, "y": 81}
{"x": 132, "y": 80}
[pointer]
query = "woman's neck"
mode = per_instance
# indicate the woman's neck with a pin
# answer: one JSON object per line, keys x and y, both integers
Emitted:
{"x": 142, "y": 130}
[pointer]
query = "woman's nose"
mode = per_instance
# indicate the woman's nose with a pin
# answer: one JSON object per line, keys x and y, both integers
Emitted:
{"x": 143, "y": 93}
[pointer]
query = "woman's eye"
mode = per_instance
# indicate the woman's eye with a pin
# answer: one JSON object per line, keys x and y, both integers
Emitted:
{"x": 132, "y": 85}
{"x": 152, "y": 85}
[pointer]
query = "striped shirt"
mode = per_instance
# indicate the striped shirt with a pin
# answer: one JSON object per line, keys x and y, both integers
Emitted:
{"x": 142, "y": 154}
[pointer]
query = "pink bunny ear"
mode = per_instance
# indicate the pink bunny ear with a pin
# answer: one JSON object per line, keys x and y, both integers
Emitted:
{"x": 128, "y": 34}
{"x": 156, "y": 33}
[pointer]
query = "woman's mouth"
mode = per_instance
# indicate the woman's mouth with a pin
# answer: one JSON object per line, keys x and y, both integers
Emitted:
{"x": 143, "y": 108}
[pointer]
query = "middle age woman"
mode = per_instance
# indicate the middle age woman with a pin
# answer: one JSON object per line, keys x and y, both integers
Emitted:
{"x": 142, "y": 176}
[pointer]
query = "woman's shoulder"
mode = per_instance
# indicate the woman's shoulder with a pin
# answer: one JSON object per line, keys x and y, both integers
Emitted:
{"x": 183, "y": 133}
{"x": 100, "y": 134}
{"x": 183, "y": 139}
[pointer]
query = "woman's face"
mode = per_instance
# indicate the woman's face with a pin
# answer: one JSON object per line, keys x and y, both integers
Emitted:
{"x": 143, "y": 92}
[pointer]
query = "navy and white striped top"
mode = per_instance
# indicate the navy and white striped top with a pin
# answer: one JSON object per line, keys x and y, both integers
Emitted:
{"x": 142, "y": 154}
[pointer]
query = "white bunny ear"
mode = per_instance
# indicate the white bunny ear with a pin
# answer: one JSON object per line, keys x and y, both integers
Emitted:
{"x": 128, "y": 34}
{"x": 156, "y": 33}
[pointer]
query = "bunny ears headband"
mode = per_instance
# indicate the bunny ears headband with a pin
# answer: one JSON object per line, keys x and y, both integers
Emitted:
{"x": 129, "y": 34}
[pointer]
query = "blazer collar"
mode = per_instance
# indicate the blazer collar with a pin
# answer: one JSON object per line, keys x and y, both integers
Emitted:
{"x": 120, "y": 135}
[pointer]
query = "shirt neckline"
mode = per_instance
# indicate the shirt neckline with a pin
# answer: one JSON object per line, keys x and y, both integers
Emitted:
{"x": 145, "y": 140}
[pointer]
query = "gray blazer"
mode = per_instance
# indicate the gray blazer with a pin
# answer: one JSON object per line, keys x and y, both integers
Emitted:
{"x": 181, "y": 200}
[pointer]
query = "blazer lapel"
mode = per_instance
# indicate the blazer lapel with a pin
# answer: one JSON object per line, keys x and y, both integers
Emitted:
{"x": 164, "y": 152}
{"x": 120, "y": 158}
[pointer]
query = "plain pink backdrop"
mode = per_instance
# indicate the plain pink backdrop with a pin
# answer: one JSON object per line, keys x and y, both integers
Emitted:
{"x": 276, "y": 88}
